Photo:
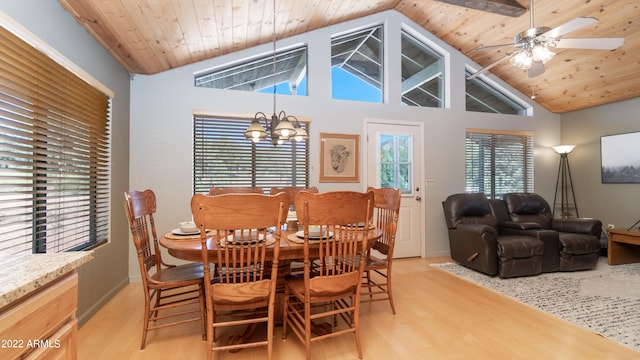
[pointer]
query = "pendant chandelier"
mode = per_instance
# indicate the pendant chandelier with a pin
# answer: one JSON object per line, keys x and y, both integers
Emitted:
{"x": 281, "y": 127}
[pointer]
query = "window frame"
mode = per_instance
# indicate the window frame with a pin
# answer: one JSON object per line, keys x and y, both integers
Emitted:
{"x": 492, "y": 140}
{"x": 348, "y": 36}
{"x": 520, "y": 107}
{"x": 409, "y": 34}
{"x": 55, "y": 177}
{"x": 210, "y": 165}
{"x": 261, "y": 72}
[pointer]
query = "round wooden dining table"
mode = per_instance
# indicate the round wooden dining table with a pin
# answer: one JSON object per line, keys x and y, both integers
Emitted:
{"x": 189, "y": 247}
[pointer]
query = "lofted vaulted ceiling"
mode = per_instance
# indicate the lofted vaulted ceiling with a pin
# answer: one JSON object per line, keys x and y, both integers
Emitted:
{"x": 151, "y": 36}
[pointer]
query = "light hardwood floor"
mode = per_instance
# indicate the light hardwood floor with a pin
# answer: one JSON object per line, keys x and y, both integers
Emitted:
{"x": 439, "y": 316}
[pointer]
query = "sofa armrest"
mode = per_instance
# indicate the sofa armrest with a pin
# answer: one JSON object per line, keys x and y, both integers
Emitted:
{"x": 580, "y": 226}
{"x": 520, "y": 225}
{"x": 477, "y": 228}
{"x": 475, "y": 246}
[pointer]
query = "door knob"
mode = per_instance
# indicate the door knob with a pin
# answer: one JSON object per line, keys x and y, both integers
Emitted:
{"x": 418, "y": 198}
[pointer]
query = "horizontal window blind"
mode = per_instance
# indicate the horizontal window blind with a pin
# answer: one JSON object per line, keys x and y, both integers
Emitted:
{"x": 223, "y": 157}
{"x": 498, "y": 163}
{"x": 54, "y": 154}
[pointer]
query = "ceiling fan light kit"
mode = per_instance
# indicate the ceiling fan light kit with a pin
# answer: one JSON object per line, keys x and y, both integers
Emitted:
{"x": 533, "y": 46}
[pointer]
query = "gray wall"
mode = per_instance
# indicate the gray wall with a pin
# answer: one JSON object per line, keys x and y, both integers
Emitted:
{"x": 162, "y": 108}
{"x": 47, "y": 19}
{"x": 616, "y": 204}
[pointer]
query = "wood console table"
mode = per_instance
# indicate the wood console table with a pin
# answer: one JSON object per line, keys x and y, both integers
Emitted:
{"x": 623, "y": 246}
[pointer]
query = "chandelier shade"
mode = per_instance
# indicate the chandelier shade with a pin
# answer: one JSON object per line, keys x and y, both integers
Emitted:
{"x": 255, "y": 132}
{"x": 279, "y": 128}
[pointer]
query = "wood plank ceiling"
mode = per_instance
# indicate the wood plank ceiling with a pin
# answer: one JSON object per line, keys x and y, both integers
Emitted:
{"x": 150, "y": 36}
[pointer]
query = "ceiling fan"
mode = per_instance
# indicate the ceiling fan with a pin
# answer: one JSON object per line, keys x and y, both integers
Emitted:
{"x": 532, "y": 47}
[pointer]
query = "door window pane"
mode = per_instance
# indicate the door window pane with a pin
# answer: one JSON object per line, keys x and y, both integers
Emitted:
{"x": 395, "y": 162}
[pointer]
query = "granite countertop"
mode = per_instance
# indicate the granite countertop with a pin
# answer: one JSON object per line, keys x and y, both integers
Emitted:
{"x": 22, "y": 274}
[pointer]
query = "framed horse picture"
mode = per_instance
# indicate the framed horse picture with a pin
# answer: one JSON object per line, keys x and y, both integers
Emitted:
{"x": 339, "y": 157}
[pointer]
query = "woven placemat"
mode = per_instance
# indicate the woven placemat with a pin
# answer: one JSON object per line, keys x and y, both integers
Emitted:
{"x": 298, "y": 240}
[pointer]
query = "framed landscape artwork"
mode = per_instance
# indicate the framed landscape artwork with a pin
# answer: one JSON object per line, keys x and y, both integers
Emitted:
{"x": 620, "y": 156}
{"x": 339, "y": 157}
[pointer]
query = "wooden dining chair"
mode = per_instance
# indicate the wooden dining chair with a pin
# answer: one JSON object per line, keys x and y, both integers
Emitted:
{"x": 291, "y": 191}
{"x": 386, "y": 211}
{"x": 336, "y": 281}
{"x": 242, "y": 286}
{"x": 235, "y": 190}
{"x": 169, "y": 290}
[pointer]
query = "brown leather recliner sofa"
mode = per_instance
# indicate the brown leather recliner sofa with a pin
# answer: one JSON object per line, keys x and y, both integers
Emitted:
{"x": 476, "y": 244}
{"x": 518, "y": 236}
{"x": 570, "y": 244}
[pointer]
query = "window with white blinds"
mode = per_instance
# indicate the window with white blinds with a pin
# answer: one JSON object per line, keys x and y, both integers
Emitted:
{"x": 499, "y": 162}
{"x": 54, "y": 154}
{"x": 223, "y": 157}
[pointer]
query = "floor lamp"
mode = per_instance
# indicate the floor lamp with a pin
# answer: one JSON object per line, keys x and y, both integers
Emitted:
{"x": 564, "y": 183}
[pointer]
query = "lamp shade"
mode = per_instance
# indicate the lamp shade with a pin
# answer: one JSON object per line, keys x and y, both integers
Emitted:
{"x": 564, "y": 149}
{"x": 542, "y": 53}
{"x": 284, "y": 129}
{"x": 255, "y": 131}
{"x": 301, "y": 134}
{"x": 522, "y": 59}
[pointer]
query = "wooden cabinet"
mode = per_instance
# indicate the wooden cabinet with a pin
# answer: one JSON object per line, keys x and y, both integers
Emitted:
{"x": 43, "y": 324}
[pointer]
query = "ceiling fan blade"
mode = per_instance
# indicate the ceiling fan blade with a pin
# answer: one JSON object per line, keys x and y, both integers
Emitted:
{"x": 537, "y": 69}
{"x": 486, "y": 68}
{"x": 480, "y": 48}
{"x": 590, "y": 43}
{"x": 570, "y": 26}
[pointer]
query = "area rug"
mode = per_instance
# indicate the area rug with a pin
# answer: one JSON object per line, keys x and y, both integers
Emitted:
{"x": 605, "y": 300}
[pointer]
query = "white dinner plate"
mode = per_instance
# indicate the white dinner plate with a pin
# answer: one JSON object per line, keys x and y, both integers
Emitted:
{"x": 245, "y": 237}
{"x": 180, "y": 232}
{"x": 312, "y": 236}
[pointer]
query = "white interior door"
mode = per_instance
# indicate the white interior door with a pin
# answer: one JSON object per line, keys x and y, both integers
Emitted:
{"x": 394, "y": 159}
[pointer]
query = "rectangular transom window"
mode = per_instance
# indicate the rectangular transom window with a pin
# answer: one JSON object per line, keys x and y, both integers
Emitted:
{"x": 481, "y": 96}
{"x": 223, "y": 157}
{"x": 54, "y": 154}
{"x": 422, "y": 74}
{"x": 286, "y": 70}
{"x": 499, "y": 162}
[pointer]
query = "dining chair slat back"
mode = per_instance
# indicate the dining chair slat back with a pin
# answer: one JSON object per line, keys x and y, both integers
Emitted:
{"x": 165, "y": 286}
{"x": 292, "y": 191}
{"x": 386, "y": 213}
{"x": 241, "y": 290}
{"x": 338, "y": 224}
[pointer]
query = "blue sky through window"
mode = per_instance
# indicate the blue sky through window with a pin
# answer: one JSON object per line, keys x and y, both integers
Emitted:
{"x": 344, "y": 86}
{"x": 283, "y": 88}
